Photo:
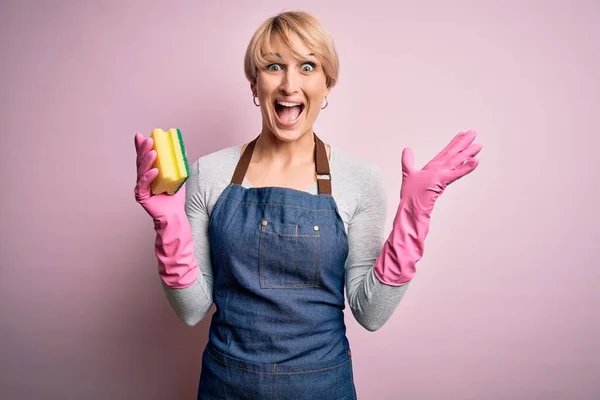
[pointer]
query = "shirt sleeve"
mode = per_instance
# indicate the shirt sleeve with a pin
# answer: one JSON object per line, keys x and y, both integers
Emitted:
{"x": 372, "y": 302}
{"x": 191, "y": 304}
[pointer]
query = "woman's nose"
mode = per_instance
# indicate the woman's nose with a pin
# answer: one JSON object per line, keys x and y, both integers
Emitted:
{"x": 289, "y": 82}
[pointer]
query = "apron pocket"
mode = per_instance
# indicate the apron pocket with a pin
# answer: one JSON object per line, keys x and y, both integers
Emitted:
{"x": 289, "y": 255}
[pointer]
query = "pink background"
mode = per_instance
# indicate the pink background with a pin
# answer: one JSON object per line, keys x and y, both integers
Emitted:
{"x": 505, "y": 304}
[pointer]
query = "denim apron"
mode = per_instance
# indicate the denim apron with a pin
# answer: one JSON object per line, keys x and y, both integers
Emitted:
{"x": 278, "y": 258}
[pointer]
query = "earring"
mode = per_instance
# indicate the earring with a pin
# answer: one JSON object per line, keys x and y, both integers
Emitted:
{"x": 326, "y": 103}
{"x": 254, "y": 100}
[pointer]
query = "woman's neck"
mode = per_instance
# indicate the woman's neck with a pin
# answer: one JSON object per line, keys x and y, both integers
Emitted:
{"x": 271, "y": 150}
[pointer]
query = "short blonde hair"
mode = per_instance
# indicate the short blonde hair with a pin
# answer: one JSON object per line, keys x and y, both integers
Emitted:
{"x": 308, "y": 29}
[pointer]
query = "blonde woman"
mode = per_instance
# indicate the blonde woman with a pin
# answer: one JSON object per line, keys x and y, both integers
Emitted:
{"x": 272, "y": 232}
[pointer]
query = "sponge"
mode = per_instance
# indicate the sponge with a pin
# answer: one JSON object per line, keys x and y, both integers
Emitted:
{"x": 171, "y": 161}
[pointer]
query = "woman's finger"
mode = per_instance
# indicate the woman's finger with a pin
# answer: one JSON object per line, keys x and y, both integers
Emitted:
{"x": 144, "y": 147}
{"x": 138, "y": 139}
{"x": 465, "y": 155}
{"x": 463, "y": 170}
{"x": 146, "y": 163}
{"x": 142, "y": 188}
{"x": 455, "y": 143}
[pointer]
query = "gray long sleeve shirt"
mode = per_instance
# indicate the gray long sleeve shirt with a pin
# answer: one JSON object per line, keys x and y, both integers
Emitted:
{"x": 358, "y": 190}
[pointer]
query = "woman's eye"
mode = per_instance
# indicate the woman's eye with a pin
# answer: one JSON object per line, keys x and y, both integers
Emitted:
{"x": 307, "y": 67}
{"x": 274, "y": 67}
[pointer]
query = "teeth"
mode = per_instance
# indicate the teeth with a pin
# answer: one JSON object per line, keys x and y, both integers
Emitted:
{"x": 288, "y": 104}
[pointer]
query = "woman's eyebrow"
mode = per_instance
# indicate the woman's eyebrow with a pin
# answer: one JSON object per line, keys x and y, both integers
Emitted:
{"x": 280, "y": 56}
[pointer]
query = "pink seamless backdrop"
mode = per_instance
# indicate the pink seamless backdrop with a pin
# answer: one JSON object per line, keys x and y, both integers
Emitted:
{"x": 505, "y": 302}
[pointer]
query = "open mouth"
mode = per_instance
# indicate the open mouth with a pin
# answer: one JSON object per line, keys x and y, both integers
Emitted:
{"x": 288, "y": 112}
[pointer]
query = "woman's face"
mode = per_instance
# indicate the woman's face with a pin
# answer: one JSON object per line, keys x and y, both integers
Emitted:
{"x": 290, "y": 91}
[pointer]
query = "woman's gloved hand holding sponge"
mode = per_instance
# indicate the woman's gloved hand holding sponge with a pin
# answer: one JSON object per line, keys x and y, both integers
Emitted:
{"x": 162, "y": 170}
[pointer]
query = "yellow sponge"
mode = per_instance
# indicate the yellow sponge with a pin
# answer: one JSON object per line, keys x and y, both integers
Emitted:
{"x": 171, "y": 161}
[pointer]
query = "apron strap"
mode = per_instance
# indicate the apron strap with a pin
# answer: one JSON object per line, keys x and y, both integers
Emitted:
{"x": 321, "y": 163}
{"x": 243, "y": 163}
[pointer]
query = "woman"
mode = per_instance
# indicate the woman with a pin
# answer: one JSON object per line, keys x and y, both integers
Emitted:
{"x": 271, "y": 232}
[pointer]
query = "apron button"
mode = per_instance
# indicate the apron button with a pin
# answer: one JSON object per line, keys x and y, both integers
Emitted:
{"x": 264, "y": 223}
{"x": 316, "y": 227}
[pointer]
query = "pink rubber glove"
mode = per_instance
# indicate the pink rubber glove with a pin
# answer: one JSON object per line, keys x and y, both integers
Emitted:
{"x": 396, "y": 265}
{"x": 174, "y": 246}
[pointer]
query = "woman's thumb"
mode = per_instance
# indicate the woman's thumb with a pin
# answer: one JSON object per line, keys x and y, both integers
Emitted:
{"x": 407, "y": 161}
